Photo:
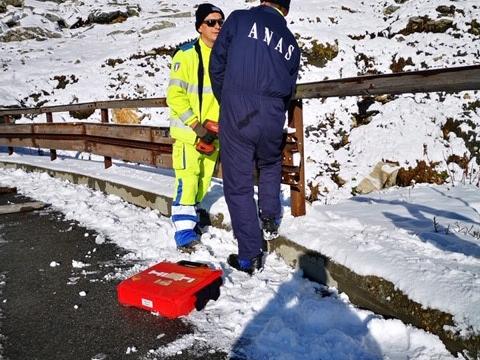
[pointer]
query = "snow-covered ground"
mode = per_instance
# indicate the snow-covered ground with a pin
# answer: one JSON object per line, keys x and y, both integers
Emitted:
{"x": 276, "y": 314}
{"x": 130, "y": 59}
{"x": 426, "y": 240}
{"x": 414, "y": 237}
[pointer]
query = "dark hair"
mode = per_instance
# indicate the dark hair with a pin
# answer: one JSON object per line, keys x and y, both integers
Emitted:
{"x": 285, "y": 4}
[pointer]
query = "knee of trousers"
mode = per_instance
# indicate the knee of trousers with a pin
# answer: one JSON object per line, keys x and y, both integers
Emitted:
{"x": 186, "y": 188}
{"x": 193, "y": 173}
{"x": 187, "y": 172}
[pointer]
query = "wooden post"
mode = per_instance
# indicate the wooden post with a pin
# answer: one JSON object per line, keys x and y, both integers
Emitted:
{"x": 297, "y": 191}
{"x": 104, "y": 113}
{"x": 53, "y": 152}
{"x": 107, "y": 160}
{"x": 8, "y": 120}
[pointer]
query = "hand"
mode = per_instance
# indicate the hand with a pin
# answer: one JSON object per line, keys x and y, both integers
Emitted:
{"x": 205, "y": 135}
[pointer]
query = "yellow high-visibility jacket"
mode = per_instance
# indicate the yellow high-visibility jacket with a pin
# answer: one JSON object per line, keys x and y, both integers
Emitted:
{"x": 182, "y": 93}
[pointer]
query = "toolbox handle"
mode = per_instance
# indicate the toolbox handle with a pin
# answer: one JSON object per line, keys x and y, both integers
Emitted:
{"x": 191, "y": 264}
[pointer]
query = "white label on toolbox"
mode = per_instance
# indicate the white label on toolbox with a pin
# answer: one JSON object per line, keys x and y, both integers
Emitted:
{"x": 164, "y": 282}
{"x": 147, "y": 303}
{"x": 172, "y": 276}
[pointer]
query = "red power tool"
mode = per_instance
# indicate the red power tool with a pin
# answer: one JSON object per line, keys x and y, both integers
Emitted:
{"x": 204, "y": 147}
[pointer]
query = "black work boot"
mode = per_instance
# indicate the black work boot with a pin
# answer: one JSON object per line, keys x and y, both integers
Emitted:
{"x": 203, "y": 217}
{"x": 203, "y": 221}
{"x": 248, "y": 266}
{"x": 270, "y": 228}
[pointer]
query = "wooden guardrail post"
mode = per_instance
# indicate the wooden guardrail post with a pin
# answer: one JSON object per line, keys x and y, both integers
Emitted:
{"x": 53, "y": 152}
{"x": 294, "y": 172}
{"x": 107, "y": 160}
{"x": 8, "y": 120}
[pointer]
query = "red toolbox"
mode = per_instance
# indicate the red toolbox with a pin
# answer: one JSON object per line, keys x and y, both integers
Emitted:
{"x": 171, "y": 289}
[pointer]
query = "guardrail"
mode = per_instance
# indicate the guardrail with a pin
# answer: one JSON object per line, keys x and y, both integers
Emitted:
{"x": 152, "y": 145}
{"x": 448, "y": 80}
{"x": 140, "y": 144}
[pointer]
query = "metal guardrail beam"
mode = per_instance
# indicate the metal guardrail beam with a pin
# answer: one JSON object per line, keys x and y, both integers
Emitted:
{"x": 448, "y": 80}
{"x": 142, "y": 144}
{"x": 113, "y": 104}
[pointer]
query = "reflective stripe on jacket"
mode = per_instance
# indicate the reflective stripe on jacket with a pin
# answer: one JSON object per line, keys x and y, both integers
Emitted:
{"x": 183, "y": 92}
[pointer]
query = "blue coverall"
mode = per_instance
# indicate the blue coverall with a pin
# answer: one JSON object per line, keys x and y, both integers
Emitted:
{"x": 253, "y": 70}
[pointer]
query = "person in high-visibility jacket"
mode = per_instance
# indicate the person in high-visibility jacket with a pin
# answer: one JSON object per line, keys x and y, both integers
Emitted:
{"x": 192, "y": 106}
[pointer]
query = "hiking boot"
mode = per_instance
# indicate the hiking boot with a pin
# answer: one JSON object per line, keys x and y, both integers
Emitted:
{"x": 198, "y": 230}
{"x": 270, "y": 228}
{"x": 189, "y": 248}
{"x": 203, "y": 217}
{"x": 248, "y": 266}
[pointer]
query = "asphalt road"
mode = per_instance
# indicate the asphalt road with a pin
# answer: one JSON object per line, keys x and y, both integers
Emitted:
{"x": 66, "y": 312}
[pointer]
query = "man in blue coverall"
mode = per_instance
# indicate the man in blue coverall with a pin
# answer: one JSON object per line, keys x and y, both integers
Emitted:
{"x": 253, "y": 69}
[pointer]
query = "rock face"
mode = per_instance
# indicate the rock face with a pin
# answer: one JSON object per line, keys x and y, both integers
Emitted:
{"x": 383, "y": 176}
{"x": 320, "y": 54}
{"x": 112, "y": 17}
{"x": 28, "y": 33}
{"x": 424, "y": 24}
{"x": 390, "y": 9}
{"x": 160, "y": 26}
{"x": 81, "y": 114}
{"x": 107, "y": 17}
{"x": 5, "y": 3}
{"x": 445, "y": 10}
{"x": 474, "y": 27}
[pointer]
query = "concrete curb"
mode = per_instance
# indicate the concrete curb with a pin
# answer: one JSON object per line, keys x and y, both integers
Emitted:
{"x": 369, "y": 292}
{"x": 375, "y": 294}
{"x": 132, "y": 195}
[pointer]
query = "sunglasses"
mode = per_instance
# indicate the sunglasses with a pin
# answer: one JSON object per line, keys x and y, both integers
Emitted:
{"x": 213, "y": 22}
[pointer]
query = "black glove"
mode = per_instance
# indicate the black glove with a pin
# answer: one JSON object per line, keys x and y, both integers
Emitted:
{"x": 206, "y": 136}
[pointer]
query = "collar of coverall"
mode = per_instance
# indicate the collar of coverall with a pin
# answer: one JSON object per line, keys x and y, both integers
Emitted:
{"x": 273, "y": 7}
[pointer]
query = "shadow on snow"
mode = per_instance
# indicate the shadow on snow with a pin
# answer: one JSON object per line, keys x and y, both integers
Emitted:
{"x": 306, "y": 320}
{"x": 423, "y": 226}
